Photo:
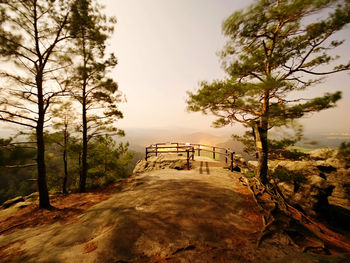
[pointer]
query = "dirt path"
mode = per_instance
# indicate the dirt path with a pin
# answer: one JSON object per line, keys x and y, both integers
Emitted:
{"x": 160, "y": 216}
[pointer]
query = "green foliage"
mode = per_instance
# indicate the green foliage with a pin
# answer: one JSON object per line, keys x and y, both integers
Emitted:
{"x": 16, "y": 181}
{"x": 98, "y": 94}
{"x": 294, "y": 154}
{"x": 249, "y": 174}
{"x": 107, "y": 161}
{"x": 286, "y": 175}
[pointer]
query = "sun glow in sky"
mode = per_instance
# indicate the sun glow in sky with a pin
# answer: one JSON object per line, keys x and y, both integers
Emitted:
{"x": 165, "y": 47}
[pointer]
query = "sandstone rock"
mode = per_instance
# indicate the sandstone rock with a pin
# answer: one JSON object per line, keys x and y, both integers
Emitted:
{"x": 335, "y": 162}
{"x": 239, "y": 160}
{"x": 323, "y": 153}
{"x": 252, "y": 165}
{"x": 341, "y": 193}
{"x": 327, "y": 180}
{"x": 162, "y": 161}
{"x": 287, "y": 189}
{"x": 326, "y": 183}
{"x": 22, "y": 204}
{"x": 13, "y": 201}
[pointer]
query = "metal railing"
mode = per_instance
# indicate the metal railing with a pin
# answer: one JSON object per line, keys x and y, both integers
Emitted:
{"x": 190, "y": 149}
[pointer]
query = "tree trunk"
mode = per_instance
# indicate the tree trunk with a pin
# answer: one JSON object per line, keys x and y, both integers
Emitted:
{"x": 64, "y": 185}
{"x": 261, "y": 143}
{"x": 260, "y": 133}
{"x": 44, "y": 201}
{"x": 82, "y": 182}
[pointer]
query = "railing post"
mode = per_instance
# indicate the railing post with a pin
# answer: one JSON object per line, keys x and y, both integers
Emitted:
{"x": 214, "y": 153}
{"x": 188, "y": 159}
{"x": 199, "y": 150}
{"x": 156, "y": 149}
{"x": 231, "y": 162}
{"x": 192, "y": 153}
{"x": 146, "y": 153}
{"x": 226, "y": 156}
{"x": 177, "y": 147}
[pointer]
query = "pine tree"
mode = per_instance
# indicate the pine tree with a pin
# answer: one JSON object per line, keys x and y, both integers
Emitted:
{"x": 272, "y": 48}
{"x": 97, "y": 93}
{"x": 64, "y": 121}
{"x": 31, "y": 36}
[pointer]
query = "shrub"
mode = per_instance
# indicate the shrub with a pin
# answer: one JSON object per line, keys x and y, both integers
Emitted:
{"x": 286, "y": 175}
{"x": 344, "y": 151}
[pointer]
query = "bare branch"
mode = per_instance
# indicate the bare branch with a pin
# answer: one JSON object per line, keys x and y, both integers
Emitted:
{"x": 19, "y": 165}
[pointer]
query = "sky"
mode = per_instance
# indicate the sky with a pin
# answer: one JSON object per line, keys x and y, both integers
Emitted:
{"x": 166, "y": 47}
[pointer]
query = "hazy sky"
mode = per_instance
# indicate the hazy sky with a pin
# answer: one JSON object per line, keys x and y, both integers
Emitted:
{"x": 165, "y": 47}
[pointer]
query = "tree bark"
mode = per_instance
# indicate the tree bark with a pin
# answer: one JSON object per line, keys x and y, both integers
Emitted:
{"x": 261, "y": 144}
{"x": 260, "y": 132}
{"x": 44, "y": 201}
{"x": 64, "y": 185}
{"x": 82, "y": 181}
{"x": 65, "y": 163}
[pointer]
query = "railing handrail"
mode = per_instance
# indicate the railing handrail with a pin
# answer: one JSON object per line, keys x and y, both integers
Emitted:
{"x": 189, "y": 147}
{"x": 190, "y": 144}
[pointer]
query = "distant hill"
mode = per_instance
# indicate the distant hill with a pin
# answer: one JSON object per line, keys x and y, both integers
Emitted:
{"x": 200, "y": 138}
{"x": 140, "y": 138}
{"x": 325, "y": 139}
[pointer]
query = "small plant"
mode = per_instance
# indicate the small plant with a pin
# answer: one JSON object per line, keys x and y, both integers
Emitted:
{"x": 249, "y": 174}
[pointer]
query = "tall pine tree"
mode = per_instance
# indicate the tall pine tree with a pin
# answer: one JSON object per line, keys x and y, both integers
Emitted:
{"x": 272, "y": 48}
{"x": 31, "y": 37}
{"x": 97, "y": 93}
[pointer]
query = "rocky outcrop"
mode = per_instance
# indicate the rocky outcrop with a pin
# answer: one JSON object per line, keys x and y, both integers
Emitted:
{"x": 306, "y": 187}
{"x": 162, "y": 161}
{"x": 314, "y": 185}
{"x": 326, "y": 183}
